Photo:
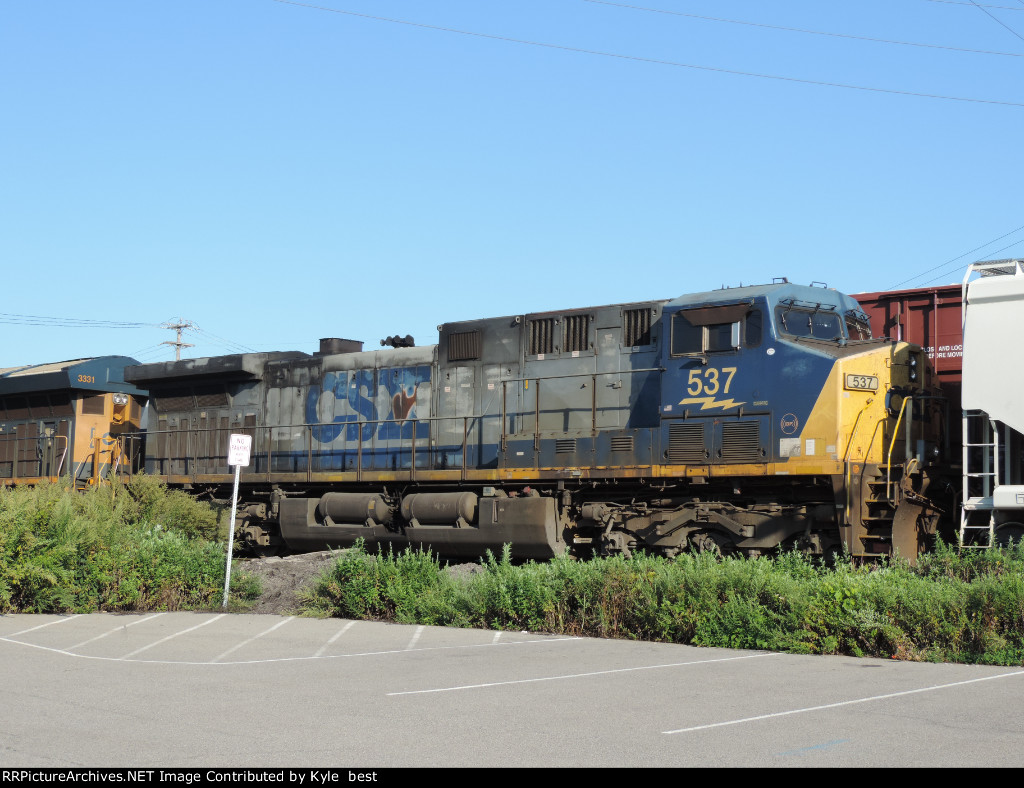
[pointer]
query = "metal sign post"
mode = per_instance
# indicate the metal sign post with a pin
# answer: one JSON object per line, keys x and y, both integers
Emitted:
{"x": 238, "y": 455}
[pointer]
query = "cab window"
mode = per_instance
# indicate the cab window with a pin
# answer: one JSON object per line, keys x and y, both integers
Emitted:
{"x": 807, "y": 323}
{"x": 698, "y": 331}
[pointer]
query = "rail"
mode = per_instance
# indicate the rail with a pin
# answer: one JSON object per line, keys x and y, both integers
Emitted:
{"x": 892, "y": 443}
{"x": 278, "y": 449}
{"x": 846, "y": 456}
{"x": 27, "y": 456}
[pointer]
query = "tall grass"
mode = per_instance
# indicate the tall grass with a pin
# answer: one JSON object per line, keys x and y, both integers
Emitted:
{"x": 114, "y": 547}
{"x": 951, "y": 607}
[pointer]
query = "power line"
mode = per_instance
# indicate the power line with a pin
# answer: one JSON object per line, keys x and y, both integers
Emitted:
{"x": 997, "y": 19}
{"x": 656, "y": 61}
{"x": 987, "y": 254}
{"x": 802, "y": 30}
{"x": 227, "y": 343}
{"x": 67, "y": 322}
{"x": 964, "y": 2}
{"x": 960, "y": 257}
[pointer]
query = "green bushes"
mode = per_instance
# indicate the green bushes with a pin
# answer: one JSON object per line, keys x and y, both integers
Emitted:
{"x": 113, "y": 547}
{"x": 951, "y": 607}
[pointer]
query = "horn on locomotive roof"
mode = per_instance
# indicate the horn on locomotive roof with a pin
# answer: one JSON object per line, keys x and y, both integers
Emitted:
{"x": 397, "y": 341}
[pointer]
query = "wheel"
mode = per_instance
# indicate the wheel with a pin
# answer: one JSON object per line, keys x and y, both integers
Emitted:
{"x": 1008, "y": 534}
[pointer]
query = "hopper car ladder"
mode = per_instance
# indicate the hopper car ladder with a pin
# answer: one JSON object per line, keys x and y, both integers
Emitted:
{"x": 972, "y": 533}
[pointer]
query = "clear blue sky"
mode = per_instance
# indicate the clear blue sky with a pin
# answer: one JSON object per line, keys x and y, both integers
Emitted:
{"x": 278, "y": 172}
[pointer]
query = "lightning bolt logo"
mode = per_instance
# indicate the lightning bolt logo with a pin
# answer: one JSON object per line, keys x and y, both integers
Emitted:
{"x": 710, "y": 403}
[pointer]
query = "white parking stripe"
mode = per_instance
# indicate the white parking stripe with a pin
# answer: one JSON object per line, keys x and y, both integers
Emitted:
{"x": 496, "y": 636}
{"x": 582, "y": 675}
{"x": 506, "y": 644}
{"x": 171, "y": 637}
{"x": 112, "y": 631}
{"x": 415, "y": 637}
{"x": 844, "y": 703}
{"x": 235, "y": 648}
{"x": 336, "y": 635}
{"x": 47, "y": 624}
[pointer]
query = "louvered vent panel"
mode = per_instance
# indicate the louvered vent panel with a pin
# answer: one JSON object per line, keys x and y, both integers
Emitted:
{"x": 577, "y": 333}
{"x": 173, "y": 400}
{"x": 622, "y": 443}
{"x": 464, "y": 346}
{"x": 686, "y": 443}
{"x": 565, "y": 446}
{"x": 741, "y": 441}
{"x": 542, "y": 336}
{"x": 637, "y": 327}
{"x": 93, "y": 405}
{"x": 211, "y": 397}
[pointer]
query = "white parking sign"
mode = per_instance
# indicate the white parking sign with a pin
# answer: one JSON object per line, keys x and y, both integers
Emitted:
{"x": 238, "y": 450}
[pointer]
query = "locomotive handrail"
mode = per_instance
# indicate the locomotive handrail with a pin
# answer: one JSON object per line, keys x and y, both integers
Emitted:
{"x": 264, "y": 445}
{"x": 576, "y": 375}
{"x": 263, "y": 440}
{"x": 20, "y": 442}
{"x": 846, "y": 456}
{"x": 892, "y": 444}
{"x": 63, "y": 455}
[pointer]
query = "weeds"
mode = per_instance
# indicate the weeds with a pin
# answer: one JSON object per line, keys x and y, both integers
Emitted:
{"x": 113, "y": 547}
{"x": 951, "y": 607}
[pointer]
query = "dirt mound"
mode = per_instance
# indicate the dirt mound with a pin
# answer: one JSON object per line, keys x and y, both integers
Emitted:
{"x": 283, "y": 578}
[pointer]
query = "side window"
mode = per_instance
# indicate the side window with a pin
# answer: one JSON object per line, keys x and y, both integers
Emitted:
{"x": 688, "y": 338}
{"x": 722, "y": 336}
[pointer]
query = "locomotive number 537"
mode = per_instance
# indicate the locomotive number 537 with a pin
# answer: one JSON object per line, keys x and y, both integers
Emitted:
{"x": 708, "y": 381}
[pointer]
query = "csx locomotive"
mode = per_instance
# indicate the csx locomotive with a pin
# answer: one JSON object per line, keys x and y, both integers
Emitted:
{"x": 736, "y": 421}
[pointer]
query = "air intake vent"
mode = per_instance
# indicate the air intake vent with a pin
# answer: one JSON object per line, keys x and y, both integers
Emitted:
{"x": 542, "y": 336}
{"x": 636, "y": 327}
{"x": 565, "y": 446}
{"x": 464, "y": 346}
{"x": 741, "y": 442}
{"x": 622, "y": 443}
{"x": 577, "y": 333}
{"x": 686, "y": 443}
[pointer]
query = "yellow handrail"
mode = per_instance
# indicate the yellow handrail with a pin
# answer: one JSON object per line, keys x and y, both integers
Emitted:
{"x": 846, "y": 457}
{"x": 892, "y": 443}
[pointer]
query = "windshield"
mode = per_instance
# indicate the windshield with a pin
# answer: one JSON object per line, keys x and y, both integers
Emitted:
{"x": 809, "y": 323}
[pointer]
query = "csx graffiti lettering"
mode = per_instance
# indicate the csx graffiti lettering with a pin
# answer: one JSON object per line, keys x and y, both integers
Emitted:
{"x": 345, "y": 398}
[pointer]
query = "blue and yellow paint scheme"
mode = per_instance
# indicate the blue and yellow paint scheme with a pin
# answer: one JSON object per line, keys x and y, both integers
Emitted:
{"x": 734, "y": 420}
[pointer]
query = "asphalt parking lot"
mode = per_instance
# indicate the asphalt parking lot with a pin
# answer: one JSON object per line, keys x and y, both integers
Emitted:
{"x": 204, "y": 689}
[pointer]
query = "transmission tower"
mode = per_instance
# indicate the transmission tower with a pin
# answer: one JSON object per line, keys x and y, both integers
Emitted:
{"x": 179, "y": 326}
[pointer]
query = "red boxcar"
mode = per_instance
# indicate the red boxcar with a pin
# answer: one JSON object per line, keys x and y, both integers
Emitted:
{"x": 929, "y": 317}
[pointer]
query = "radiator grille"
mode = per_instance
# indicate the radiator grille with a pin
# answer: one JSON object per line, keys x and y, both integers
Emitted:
{"x": 622, "y": 443}
{"x": 637, "y": 327}
{"x": 565, "y": 446}
{"x": 464, "y": 346}
{"x": 741, "y": 441}
{"x": 542, "y": 336}
{"x": 686, "y": 443}
{"x": 577, "y": 333}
